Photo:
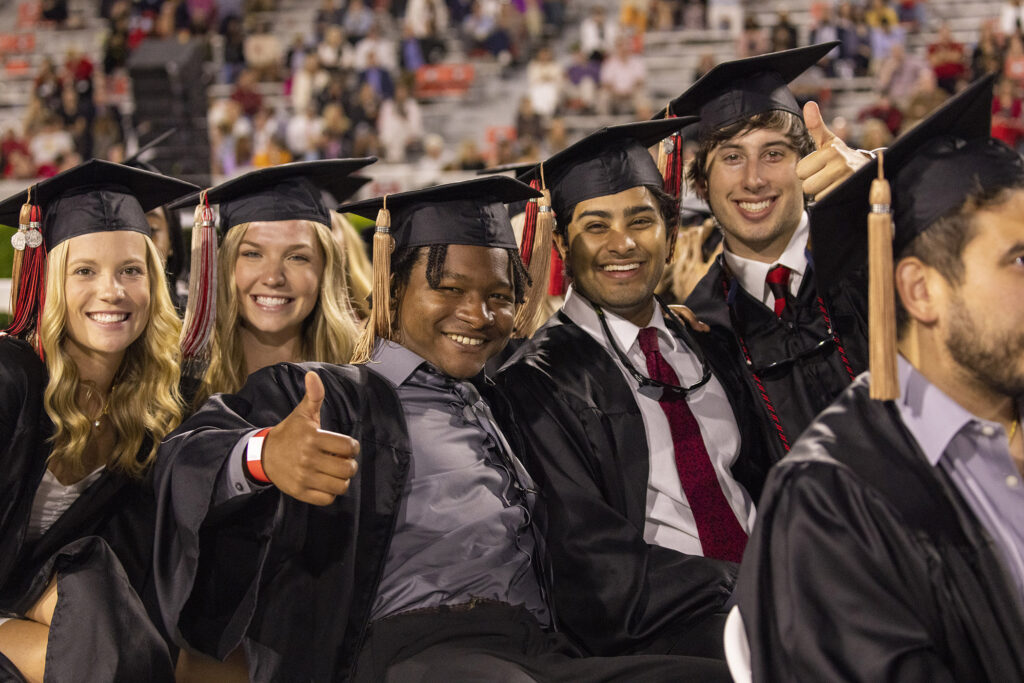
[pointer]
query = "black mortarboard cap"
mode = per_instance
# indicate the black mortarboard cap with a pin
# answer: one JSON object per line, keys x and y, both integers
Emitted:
{"x": 744, "y": 87}
{"x": 932, "y": 169}
{"x": 516, "y": 169}
{"x": 470, "y": 212}
{"x": 284, "y": 193}
{"x": 606, "y": 162}
{"x": 95, "y": 196}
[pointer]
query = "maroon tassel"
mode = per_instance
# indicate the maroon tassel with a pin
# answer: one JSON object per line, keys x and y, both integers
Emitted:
{"x": 529, "y": 227}
{"x": 674, "y": 167}
{"x": 29, "y": 288}
{"x": 556, "y": 283}
{"x": 202, "y": 307}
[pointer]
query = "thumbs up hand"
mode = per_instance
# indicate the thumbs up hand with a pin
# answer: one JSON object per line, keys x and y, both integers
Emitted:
{"x": 308, "y": 463}
{"x": 833, "y": 162}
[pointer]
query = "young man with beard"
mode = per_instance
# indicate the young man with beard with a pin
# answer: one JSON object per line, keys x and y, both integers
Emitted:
{"x": 424, "y": 562}
{"x": 647, "y": 469}
{"x": 798, "y": 344}
{"x": 890, "y": 543}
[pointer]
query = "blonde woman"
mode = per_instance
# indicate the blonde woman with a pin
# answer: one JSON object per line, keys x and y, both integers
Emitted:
{"x": 281, "y": 294}
{"x": 89, "y": 374}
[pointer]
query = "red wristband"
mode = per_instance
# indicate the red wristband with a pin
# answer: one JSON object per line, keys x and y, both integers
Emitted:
{"x": 254, "y": 456}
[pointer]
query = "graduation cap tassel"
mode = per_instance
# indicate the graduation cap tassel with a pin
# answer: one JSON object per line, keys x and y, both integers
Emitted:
{"x": 201, "y": 312}
{"x": 881, "y": 296}
{"x": 663, "y": 150}
{"x": 529, "y": 227}
{"x": 556, "y": 284}
{"x": 27, "y": 286}
{"x": 538, "y": 264}
{"x": 379, "y": 323}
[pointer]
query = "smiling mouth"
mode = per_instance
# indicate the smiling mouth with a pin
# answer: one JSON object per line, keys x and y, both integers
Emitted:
{"x": 756, "y": 207}
{"x": 464, "y": 340}
{"x": 108, "y": 317}
{"x": 620, "y": 267}
{"x": 271, "y": 301}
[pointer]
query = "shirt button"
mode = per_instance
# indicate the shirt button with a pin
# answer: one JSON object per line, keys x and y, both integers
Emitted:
{"x": 1012, "y": 481}
{"x": 988, "y": 430}
{"x": 238, "y": 486}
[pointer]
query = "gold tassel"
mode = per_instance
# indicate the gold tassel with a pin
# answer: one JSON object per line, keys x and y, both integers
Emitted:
{"x": 881, "y": 296}
{"x": 378, "y": 325}
{"x": 19, "y": 254}
{"x": 664, "y": 149}
{"x": 530, "y": 316}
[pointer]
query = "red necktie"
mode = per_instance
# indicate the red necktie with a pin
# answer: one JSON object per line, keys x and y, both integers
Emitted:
{"x": 721, "y": 536}
{"x": 778, "y": 284}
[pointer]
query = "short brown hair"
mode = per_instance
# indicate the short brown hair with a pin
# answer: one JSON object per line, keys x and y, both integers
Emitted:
{"x": 788, "y": 123}
{"x": 941, "y": 246}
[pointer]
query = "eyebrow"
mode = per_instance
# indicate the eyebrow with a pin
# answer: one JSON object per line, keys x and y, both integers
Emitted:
{"x": 83, "y": 261}
{"x": 294, "y": 245}
{"x": 773, "y": 143}
{"x": 629, "y": 212}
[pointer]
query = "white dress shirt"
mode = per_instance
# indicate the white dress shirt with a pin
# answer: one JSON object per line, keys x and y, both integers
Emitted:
{"x": 752, "y": 275}
{"x": 669, "y": 519}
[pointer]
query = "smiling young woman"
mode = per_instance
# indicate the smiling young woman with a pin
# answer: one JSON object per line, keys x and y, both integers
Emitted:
{"x": 89, "y": 375}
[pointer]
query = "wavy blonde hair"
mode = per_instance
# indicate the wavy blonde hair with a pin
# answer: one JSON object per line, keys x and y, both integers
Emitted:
{"x": 145, "y": 399}
{"x": 328, "y": 333}
{"x": 358, "y": 270}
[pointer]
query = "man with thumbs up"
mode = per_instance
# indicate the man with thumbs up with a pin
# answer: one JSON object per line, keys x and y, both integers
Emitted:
{"x": 759, "y": 158}
{"x": 424, "y": 560}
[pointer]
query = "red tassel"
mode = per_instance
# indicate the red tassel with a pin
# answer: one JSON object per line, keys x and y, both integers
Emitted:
{"x": 556, "y": 283}
{"x": 529, "y": 227}
{"x": 199, "y": 317}
{"x": 674, "y": 167}
{"x": 30, "y": 291}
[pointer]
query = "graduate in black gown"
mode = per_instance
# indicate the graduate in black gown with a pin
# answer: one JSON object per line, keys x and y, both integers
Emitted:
{"x": 757, "y": 158}
{"x": 88, "y": 387}
{"x": 373, "y": 521}
{"x": 890, "y": 543}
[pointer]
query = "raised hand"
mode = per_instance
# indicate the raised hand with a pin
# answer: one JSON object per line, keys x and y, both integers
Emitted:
{"x": 833, "y": 162}
{"x": 308, "y": 463}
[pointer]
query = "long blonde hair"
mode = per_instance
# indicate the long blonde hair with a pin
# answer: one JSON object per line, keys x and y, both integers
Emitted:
{"x": 145, "y": 399}
{"x": 328, "y": 333}
{"x": 358, "y": 271}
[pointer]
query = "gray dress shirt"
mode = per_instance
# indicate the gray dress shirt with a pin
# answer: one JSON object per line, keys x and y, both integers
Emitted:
{"x": 976, "y": 456}
{"x": 463, "y": 528}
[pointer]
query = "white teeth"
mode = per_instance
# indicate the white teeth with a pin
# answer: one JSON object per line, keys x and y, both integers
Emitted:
{"x": 465, "y": 340}
{"x": 109, "y": 317}
{"x": 615, "y": 267}
{"x": 271, "y": 300}
{"x": 755, "y": 206}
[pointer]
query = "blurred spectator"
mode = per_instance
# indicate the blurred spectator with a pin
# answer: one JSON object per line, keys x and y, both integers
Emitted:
{"x": 430, "y": 166}
{"x": 302, "y": 134}
{"x": 633, "y": 15}
{"x": 582, "y": 78}
{"x": 48, "y": 84}
{"x": 557, "y": 138}
{"x": 382, "y": 49}
{"x": 51, "y": 141}
{"x": 726, "y": 15}
{"x": 1013, "y": 62}
{"x": 623, "y": 76}
{"x": 705, "y": 64}
{"x": 544, "y": 82}
{"x": 400, "y": 125}
{"x": 18, "y": 164}
{"x": 925, "y": 99}
{"x": 987, "y": 57}
{"x": 245, "y": 93}
{"x": 335, "y": 52}
{"x": 366, "y": 108}
{"x": 115, "y": 51}
{"x": 307, "y": 83}
{"x": 823, "y": 30}
{"x": 666, "y": 14}
{"x": 885, "y": 36}
{"x": 264, "y": 127}
{"x": 234, "y": 49}
{"x": 358, "y": 20}
{"x": 468, "y": 158}
{"x": 529, "y": 123}
{"x": 377, "y": 77}
{"x": 106, "y": 132}
{"x": 411, "y": 56}
{"x": 899, "y": 73}
{"x": 885, "y": 111}
{"x": 948, "y": 59}
{"x": 784, "y": 35}
{"x": 296, "y": 55}
{"x": 1007, "y": 123}
{"x": 329, "y": 14}
{"x": 752, "y": 40}
{"x": 598, "y": 34}
{"x": 880, "y": 13}
{"x": 912, "y": 13}
{"x": 264, "y": 53}
{"x": 79, "y": 70}
{"x": 1011, "y": 17}
{"x": 426, "y": 19}
{"x": 874, "y": 134}
{"x": 485, "y": 35}
{"x": 855, "y": 34}
{"x": 334, "y": 133}
{"x": 76, "y": 118}
{"x": 840, "y": 127}
{"x": 274, "y": 154}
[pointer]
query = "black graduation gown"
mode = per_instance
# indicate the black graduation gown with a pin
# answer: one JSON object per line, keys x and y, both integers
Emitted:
{"x": 867, "y": 564}
{"x": 587, "y": 451}
{"x": 106, "y": 533}
{"x": 293, "y": 583}
{"x": 799, "y": 390}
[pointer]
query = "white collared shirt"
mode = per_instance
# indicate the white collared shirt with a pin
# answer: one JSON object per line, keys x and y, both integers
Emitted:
{"x": 752, "y": 275}
{"x": 669, "y": 520}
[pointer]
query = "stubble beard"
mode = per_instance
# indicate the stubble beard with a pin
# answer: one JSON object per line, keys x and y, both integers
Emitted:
{"x": 991, "y": 359}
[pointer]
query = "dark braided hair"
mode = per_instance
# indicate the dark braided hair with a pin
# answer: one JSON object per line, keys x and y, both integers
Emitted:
{"x": 403, "y": 261}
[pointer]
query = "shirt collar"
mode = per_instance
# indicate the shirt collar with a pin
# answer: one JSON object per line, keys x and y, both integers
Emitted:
{"x": 581, "y": 312}
{"x": 932, "y": 417}
{"x": 394, "y": 362}
{"x": 752, "y": 273}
